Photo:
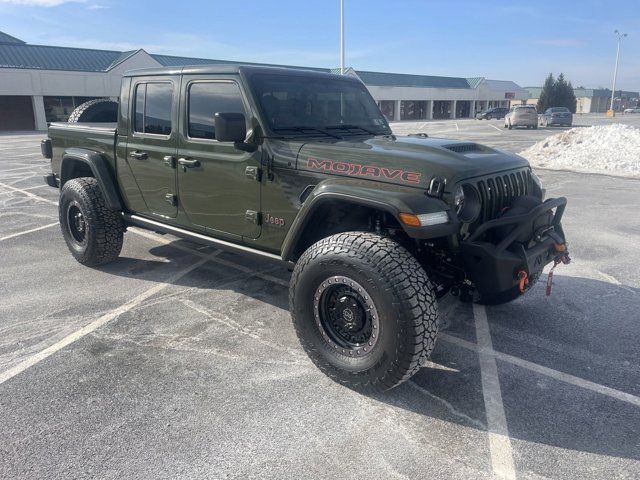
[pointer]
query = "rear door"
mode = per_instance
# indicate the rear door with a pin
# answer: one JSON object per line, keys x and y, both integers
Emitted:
{"x": 219, "y": 185}
{"x": 152, "y": 143}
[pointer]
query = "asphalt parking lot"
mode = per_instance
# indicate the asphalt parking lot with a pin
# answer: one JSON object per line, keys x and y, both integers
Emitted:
{"x": 179, "y": 361}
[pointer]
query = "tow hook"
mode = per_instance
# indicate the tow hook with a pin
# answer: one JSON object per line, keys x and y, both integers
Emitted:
{"x": 523, "y": 281}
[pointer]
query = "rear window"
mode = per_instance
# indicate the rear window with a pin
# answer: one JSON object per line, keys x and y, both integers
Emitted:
{"x": 525, "y": 107}
{"x": 152, "y": 108}
{"x": 559, "y": 109}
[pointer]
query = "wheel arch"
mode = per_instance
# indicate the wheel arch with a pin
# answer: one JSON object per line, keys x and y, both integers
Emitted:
{"x": 357, "y": 201}
{"x": 79, "y": 162}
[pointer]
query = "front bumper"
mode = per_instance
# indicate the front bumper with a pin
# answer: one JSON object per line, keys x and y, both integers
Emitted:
{"x": 496, "y": 268}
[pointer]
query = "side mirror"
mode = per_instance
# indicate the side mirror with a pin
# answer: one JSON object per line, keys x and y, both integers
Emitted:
{"x": 230, "y": 127}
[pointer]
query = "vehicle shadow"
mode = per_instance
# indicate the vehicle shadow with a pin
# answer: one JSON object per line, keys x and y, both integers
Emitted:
{"x": 223, "y": 270}
{"x": 587, "y": 330}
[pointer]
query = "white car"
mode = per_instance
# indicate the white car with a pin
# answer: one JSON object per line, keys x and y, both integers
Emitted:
{"x": 521, "y": 116}
{"x": 632, "y": 110}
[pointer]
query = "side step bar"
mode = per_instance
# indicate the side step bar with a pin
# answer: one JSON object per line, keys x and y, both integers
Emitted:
{"x": 149, "y": 224}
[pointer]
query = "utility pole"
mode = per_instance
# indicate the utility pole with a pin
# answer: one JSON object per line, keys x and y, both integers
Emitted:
{"x": 342, "y": 37}
{"x": 615, "y": 70}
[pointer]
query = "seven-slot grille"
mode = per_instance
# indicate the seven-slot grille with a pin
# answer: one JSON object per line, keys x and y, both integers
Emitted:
{"x": 498, "y": 192}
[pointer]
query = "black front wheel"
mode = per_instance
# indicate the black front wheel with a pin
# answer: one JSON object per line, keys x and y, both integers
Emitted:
{"x": 364, "y": 310}
{"x": 92, "y": 231}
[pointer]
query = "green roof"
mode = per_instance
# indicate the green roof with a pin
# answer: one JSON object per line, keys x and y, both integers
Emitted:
{"x": 409, "y": 80}
{"x": 474, "y": 81}
{"x": 8, "y": 39}
{"x": 56, "y": 58}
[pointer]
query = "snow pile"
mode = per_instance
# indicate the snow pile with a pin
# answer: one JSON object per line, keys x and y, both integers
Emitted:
{"x": 610, "y": 149}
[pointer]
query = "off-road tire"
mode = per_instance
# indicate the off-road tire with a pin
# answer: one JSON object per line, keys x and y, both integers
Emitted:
{"x": 103, "y": 228}
{"x": 98, "y": 110}
{"x": 509, "y": 126}
{"x": 402, "y": 296}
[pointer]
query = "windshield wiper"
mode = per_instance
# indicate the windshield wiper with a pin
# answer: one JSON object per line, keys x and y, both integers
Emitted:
{"x": 347, "y": 126}
{"x": 303, "y": 129}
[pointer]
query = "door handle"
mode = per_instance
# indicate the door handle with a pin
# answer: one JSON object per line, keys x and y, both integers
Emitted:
{"x": 188, "y": 163}
{"x": 138, "y": 155}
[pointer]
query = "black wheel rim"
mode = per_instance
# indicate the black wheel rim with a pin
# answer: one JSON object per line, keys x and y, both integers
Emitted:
{"x": 346, "y": 316}
{"x": 76, "y": 222}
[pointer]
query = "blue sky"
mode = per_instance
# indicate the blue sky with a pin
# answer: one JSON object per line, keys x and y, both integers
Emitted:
{"x": 510, "y": 40}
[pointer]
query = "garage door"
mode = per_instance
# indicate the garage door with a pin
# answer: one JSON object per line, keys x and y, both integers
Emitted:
{"x": 16, "y": 113}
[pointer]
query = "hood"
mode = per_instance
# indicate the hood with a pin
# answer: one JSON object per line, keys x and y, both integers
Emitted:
{"x": 409, "y": 161}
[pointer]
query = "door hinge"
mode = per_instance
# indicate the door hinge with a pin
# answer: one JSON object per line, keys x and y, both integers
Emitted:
{"x": 170, "y": 160}
{"x": 254, "y": 173}
{"x": 253, "y": 217}
{"x": 171, "y": 199}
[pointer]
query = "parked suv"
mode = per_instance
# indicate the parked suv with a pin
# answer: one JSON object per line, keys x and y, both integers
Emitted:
{"x": 557, "y": 116}
{"x": 521, "y": 116}
{"x": 301, "y": 168}
{"x": 498, "y": 112}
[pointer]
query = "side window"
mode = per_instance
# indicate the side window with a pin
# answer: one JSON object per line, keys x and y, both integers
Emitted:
{"x": 208, "y": 98}
{"x": 153, "y": 102}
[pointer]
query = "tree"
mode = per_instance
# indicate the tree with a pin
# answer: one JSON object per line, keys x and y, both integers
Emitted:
{"x": 547, "y": 95}
{"x": 557, "y": 93}
{"x": 565, "y": 95}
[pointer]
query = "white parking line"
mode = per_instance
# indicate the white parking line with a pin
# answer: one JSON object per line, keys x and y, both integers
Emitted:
{"x": 457, "y": 127}
{"x": 548, "y": 372}
{"x": 29, "y": 194}
{"x": 91, "y": 327}
{"x": 493, "y": 126}
{"x": 19, "y": 234}
{"x": 19, "y": 168}
{"x": 499, "y": 442}
{"x": 25, "y": 189}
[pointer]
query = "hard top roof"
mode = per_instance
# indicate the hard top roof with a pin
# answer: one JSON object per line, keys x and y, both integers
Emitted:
{"x": 231, "y": 69}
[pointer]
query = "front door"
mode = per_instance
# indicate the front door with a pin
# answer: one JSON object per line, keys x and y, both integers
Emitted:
{"x": 217, "y": 186}
{"x": 152, "y": 144}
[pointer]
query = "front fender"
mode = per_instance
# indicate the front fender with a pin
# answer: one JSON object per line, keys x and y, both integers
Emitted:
{"x": 100, "y": 168}
{"x": 383, "y": 197}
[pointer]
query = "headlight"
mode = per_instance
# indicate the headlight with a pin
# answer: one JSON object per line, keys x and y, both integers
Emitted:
{"x": 538, "y": 188}
{"x": 467, "y": 203}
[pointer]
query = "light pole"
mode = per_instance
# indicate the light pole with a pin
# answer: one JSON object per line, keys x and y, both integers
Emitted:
{"x": 615, "y": 70}
{"x": 342, "y": 37}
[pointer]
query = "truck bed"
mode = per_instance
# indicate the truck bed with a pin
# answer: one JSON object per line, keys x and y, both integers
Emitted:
{"x": 98, "y": 137}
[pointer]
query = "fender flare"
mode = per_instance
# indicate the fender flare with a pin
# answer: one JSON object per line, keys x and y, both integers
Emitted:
{"x": 101, "y": 170}
{"x": 391, "y": 200}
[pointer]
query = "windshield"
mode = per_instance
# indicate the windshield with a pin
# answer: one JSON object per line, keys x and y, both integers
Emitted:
{"x": 307, "y": 104}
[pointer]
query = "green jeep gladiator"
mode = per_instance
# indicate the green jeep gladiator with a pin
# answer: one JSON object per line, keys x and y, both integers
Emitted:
{"x": 301, "y": 168}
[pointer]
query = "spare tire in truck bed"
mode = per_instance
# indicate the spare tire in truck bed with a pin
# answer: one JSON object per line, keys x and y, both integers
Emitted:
{"x": 98, "y": 110}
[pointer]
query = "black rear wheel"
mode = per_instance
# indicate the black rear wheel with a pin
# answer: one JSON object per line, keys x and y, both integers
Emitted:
{"x": 364, "y": 310}
{"x": 92, "y": 231}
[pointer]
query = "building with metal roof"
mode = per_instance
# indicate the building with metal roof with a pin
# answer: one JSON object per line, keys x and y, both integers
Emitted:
{"x": 42, "y": 83}
{"x": 593, "y": 100}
